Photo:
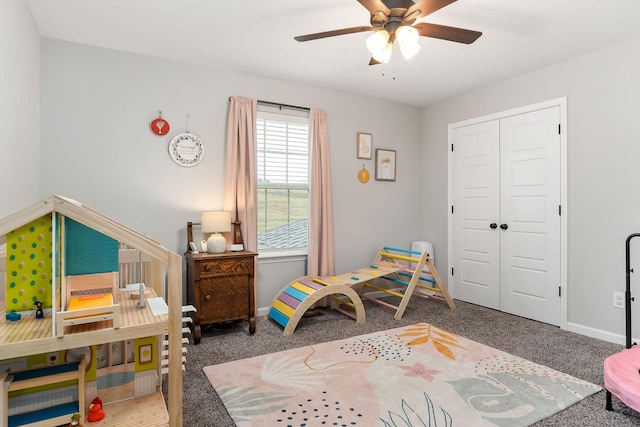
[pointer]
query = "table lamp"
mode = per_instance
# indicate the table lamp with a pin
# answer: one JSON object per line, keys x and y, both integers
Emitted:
{"x": 216, "y": 223}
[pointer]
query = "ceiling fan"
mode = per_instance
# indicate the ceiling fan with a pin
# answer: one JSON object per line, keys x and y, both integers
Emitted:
{"x": 393, "y": 20}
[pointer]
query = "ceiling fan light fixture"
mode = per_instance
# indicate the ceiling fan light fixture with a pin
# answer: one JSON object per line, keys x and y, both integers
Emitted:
{"x": 407, "y": 34}
{"x": 377, "y": 41}
{"x": 384, "y": 55}
{"x": 409, "y": 50}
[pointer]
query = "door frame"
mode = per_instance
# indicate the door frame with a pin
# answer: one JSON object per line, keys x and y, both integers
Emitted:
{"x": 559, "y": 102}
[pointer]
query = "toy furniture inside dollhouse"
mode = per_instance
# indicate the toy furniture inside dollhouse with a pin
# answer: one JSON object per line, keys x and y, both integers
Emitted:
{"x": 75, "y": 297}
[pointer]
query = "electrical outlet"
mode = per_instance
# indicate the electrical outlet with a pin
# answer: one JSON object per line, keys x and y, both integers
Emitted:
{"x": 618, "y": 300}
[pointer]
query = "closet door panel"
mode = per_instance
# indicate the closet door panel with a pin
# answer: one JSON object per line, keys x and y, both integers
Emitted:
{"x": 476, "y": 206}
{"x": 529, "y": 203}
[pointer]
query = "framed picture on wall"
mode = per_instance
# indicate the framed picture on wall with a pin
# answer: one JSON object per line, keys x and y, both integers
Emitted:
{"x": 363, "y": 148}
{"x": 145, "y": 354}
{"x": 385, "y": 165}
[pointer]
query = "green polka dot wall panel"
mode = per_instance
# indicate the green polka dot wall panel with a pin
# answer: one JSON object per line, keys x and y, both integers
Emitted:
{"x": 88, "y": 251}
{"x": 29, "y": 265}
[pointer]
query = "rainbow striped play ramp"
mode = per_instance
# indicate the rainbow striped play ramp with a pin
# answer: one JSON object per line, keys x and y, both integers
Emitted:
{"x": 298, "y": 296}
{"x": 405, "y": 270}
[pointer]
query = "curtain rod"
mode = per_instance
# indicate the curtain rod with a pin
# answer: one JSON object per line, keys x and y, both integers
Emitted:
{"x": 277, "y": 104}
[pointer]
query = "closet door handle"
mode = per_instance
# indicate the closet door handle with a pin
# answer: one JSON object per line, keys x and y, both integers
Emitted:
{"x": 493, "y": 226}
{"x": 504, "y": 226}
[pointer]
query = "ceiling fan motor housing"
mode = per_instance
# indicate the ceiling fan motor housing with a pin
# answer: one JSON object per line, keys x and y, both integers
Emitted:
{"x": 396, "y": 18}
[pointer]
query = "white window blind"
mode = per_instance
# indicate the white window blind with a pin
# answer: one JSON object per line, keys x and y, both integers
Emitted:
{"x": 283, "y": 178}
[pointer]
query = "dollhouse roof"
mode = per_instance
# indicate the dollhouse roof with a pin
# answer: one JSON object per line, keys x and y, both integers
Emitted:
{"x": 87, "y": 216}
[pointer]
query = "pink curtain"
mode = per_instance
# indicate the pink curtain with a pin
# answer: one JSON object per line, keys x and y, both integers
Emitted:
{"x": 320, "y": 258}
{"x": 241, "y": 169}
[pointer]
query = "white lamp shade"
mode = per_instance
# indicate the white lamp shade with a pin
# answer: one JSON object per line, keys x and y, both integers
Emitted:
{"x": 409, "y": 49}
{"x": 408, "y": 41}
{"x": 215, "y": 222}
{"x": 384, "y": 55}
{"x": 377, "y": 41}
{"x": 407, "y": 34}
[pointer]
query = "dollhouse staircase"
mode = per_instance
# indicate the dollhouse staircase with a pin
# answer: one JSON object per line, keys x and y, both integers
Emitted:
{"x": 41, "y": 411}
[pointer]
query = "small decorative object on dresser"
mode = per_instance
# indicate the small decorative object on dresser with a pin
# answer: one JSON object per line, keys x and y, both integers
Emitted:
{"x": 221, "y": 287}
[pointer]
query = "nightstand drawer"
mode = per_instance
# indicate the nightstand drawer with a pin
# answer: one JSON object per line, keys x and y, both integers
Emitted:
{"x": 225, "y": 266}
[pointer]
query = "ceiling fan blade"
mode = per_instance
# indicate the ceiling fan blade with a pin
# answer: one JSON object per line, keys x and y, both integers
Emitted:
{"x": 374, "y": 61}
{"x": 443, "y": 32}
{"x": 375, "y": 6}
{"x": 333, "y": 33}
{"x": 427, "y": 7}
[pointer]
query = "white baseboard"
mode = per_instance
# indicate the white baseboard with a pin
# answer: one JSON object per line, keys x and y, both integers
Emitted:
{"x": 571, "y": 327}
{"x": 597, "y": 333}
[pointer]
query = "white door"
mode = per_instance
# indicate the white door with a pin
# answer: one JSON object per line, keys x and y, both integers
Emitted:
{"x": 476, "y": 186}
{"x": 506, "y": 223}
{"x": 529, "y": 214}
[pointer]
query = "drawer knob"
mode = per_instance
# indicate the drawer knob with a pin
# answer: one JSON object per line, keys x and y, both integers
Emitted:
{"x": 206, "y": 267}
{"x": 207, "y": 297}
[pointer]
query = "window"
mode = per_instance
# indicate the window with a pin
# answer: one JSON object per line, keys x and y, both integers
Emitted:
{"x": 283, "y": 179}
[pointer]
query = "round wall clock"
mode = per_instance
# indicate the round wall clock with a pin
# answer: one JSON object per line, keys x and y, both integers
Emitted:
{"x": 186, "y": 149}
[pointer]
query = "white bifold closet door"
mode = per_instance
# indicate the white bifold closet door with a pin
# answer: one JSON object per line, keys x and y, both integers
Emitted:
{"x": 506, "y": 214}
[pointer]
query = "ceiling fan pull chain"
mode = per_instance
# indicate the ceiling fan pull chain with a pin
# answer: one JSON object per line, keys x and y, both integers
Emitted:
{"x": 393, "y": 72}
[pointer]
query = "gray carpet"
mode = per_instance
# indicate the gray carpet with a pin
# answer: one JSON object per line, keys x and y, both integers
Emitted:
{"x": 568, "y": 352}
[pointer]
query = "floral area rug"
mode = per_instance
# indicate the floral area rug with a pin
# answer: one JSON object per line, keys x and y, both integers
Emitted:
{"x": 417, "y": 375}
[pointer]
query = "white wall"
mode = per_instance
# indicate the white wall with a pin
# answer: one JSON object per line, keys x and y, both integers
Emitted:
{"x": 19, "y": 106}
{"x": 96, "y": 147}
{"x": 602, "y": 91}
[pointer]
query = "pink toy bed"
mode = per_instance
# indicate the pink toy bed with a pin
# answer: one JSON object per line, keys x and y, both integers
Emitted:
{"x": 622, "y": 370}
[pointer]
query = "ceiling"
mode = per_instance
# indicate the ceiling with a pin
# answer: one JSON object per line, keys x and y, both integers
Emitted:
{"x": 256, "y": 36}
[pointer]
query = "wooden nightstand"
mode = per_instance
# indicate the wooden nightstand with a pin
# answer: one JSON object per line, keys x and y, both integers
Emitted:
{"x": 221, "y": 288}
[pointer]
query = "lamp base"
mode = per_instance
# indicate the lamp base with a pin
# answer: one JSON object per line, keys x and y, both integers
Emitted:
{"x": 216, "y": 244}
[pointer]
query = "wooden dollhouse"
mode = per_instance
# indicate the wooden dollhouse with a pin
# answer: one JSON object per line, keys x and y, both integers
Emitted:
{"x": 87, "y": 306}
